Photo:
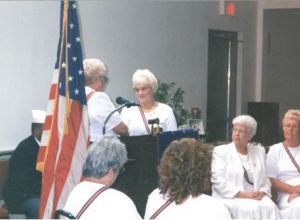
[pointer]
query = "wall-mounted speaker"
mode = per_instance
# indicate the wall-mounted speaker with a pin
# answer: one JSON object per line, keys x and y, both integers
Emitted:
{"x": 267, "y": 116}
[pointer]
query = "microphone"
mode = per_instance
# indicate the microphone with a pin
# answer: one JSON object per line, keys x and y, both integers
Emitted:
{"x": 153, "y": 121}
{"x": 121, "y": 101}
{"x": 156, "y": 129}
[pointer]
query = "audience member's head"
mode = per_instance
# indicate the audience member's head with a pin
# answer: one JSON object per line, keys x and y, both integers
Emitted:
{"x": 248, "y": 122}
{"x": 291, "y": 125}
{"x": 292, "y": 114}
{"x": 38, "y": 119}
{"x": 108, "y": 154}
{"x": 184, "y": 169}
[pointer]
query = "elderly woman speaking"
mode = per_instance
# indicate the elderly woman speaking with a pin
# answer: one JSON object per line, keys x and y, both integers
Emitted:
{"x": 239, "y": 174}
{"x": 283, "y": 161}
{"x": 136, "y": 118}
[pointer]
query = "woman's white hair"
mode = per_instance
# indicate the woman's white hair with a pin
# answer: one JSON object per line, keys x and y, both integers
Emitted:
{"x": 93, "y": 68}
{"x": 247, "y": 121}
{"x": 146, "y": 77}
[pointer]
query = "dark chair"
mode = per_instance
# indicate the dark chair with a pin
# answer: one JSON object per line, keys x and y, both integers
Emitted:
{"x": 61, "y": 212}
{"x": 4, "y": 164}
{"x": 165, "y": 138}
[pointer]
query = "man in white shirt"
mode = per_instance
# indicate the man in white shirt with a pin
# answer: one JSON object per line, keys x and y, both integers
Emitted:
{"x": 99, "y": 104}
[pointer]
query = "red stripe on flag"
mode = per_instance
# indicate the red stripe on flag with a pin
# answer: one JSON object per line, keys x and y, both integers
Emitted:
{"x": 47, "y": 124}
{"x": 53, "y": 91}
{"x": 43, "y": 148}
{"x": 41, "y": 157}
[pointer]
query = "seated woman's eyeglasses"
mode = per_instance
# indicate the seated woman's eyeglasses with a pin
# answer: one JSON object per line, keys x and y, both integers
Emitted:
{"x": 235, "y": 130}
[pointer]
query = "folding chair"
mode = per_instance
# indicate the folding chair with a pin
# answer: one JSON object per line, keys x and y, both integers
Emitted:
{"x": 61, "y": 212}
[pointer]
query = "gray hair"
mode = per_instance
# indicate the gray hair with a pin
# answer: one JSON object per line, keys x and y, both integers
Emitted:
{"x": 247, "y": 121}
{"x": 106, "y": 153}
{"x": 92, "y": 69}
{"x": 145, "y": 76}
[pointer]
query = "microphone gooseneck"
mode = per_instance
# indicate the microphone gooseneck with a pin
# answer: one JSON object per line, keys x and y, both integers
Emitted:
{"x": 122, "y": 101}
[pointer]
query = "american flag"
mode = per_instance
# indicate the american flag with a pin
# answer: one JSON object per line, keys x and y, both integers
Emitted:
{"x": 65, "y": 134}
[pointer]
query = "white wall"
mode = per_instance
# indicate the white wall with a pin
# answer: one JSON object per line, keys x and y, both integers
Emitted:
{"x": 28, "y": 41}
{"x": 281, "y": 58}
{"x": 169, "y": 38}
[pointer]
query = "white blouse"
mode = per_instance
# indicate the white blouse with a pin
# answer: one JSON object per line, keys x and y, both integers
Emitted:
{"x": 133, "y": 119}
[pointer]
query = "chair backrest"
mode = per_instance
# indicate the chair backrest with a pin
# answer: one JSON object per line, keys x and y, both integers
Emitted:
{"x": 61, "y": 212}
{"x": 165, "y": 138}
{"x": 4, "y": 165}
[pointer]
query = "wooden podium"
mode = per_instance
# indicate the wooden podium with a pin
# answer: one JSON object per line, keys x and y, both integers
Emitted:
{"x": 140, "y": 177}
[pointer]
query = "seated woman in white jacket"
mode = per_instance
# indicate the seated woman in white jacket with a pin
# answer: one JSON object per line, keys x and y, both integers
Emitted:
{"x": 239, "y": 174}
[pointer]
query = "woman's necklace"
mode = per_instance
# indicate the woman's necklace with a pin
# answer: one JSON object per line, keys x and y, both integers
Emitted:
{"x": 149, "y": 107}
{"x": 248, "y": 171}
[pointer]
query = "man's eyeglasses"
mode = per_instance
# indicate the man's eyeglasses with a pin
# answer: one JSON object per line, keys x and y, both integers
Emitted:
{"x": 105, "y": 79}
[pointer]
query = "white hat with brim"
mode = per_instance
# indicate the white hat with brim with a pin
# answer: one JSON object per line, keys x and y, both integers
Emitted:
{"x": 38, "y": 116}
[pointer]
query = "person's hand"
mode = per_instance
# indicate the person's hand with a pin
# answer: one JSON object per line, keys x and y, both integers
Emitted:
{"x": 260, "y": 195}
{"x": 293, "y": 196}
{"x": 250, "y": 195}
{"x": 296, "y": 189}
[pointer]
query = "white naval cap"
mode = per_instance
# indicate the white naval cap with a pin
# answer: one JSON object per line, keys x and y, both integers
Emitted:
{"x": 38, "y": 116}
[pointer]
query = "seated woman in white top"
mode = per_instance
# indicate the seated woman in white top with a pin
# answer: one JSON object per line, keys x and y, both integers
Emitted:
{"x": 136, "y": 118}
{"x": 105, "y": 158}
{"x": 239, "y": 175}
{"x": 283, "y": 172}
{"x": 184, "y": 172}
